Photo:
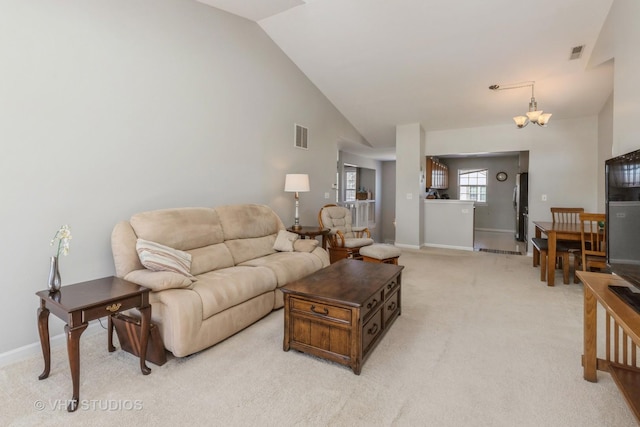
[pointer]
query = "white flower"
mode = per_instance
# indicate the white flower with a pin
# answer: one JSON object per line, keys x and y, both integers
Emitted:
{"x": 63, "y": 235}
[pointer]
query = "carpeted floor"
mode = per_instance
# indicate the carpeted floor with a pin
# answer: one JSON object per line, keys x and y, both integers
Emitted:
{"x": 480, "y": 342}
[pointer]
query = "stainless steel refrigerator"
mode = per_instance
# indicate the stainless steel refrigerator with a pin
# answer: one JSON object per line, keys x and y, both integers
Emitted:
{"x": 521, "y": 205}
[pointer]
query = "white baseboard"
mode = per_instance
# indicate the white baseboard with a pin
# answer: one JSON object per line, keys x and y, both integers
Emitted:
{"x": 402, "y": 245}
{"x": 25, "y": 352}
{"x": 496, "y": 230}
{"x": 460, "y": 248}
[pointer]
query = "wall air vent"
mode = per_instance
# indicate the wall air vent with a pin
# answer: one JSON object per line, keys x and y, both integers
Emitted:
{"x": 300, "y": 136}
{"x": 576, "y": 52}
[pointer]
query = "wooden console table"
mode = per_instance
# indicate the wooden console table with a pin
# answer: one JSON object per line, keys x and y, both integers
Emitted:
{"x": 341, "y": 312}
{"x": 79, "y": 304}
{"x": 622, "y": 337}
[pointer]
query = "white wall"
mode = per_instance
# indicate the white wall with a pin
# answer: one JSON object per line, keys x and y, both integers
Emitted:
{"x": 562, "y": 158}
{"x": 619, "y": 40}
{"x": 605, "y": 142}
{"x": 111, "y": 107}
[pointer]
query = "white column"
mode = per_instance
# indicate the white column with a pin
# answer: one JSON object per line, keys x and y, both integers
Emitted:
{"x": 409, "y": 188}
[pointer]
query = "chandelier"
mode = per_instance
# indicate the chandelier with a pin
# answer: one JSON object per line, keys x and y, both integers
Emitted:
{"x": 533, "y": 115}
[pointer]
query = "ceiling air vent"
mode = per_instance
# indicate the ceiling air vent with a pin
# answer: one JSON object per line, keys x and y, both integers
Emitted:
{"x": 576, "y": 52}
{"x": 301, "y": 133}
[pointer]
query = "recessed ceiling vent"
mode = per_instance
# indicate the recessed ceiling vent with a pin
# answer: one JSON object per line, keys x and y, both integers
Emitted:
{"x": 301, "y": 133}
{"x": 576, "y": 52}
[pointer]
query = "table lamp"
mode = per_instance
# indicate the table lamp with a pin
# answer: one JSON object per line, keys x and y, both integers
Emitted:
{"x": 296, "y": 183}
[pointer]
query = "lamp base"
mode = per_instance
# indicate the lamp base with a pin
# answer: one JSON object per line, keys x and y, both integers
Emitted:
{"x": 296, "y": 227}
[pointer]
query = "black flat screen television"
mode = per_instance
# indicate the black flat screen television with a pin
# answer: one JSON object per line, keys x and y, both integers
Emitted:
{"x": 622, "y": 183}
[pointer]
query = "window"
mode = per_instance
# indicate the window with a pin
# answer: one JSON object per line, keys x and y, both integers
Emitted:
{"x": 472, "y": 184}
{"x": 350, "y": 178}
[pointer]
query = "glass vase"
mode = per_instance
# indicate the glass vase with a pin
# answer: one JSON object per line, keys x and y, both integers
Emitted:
{"x": 54, "y": 275}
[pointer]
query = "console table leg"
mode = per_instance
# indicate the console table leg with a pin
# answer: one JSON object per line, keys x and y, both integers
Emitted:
{"x": 590, "y": 335}
{"x": 144, "y": 338}
{"x": 110, "y": 346}
{"x": 43, "y": 330}
{"x": 73, "y": 349}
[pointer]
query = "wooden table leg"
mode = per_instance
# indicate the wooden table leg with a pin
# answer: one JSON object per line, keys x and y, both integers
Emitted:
{"x": 536, "y": 252}
{"x": 551, "y": 259}
{"x": 43, "y": 330}
{"x": 73, "y": 349}
{"x": 110, "y": 346}
{"x": 590, "y": 336}
{"x": 144, "y": 338}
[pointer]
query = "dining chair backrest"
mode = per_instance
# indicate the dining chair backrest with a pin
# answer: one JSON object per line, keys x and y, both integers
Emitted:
{"x": 592, "y": 233}
{"x": 566, "y": 215}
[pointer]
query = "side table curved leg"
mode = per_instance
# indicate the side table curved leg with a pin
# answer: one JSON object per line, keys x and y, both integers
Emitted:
{"x": 43, "y": 330}
{"x": 73, "y": 349}
{"x": 144, "y": 338}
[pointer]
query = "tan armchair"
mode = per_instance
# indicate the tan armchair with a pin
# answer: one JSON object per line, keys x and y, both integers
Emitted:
{"x": 344, "y": 239}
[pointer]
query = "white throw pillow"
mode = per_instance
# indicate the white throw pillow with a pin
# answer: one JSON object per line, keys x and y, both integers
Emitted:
{"x": 284, "y": 241}
{"x": 157, "y": 257}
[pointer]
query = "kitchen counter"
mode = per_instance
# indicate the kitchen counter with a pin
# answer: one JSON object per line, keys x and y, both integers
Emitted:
{"x": 449, "y": 223}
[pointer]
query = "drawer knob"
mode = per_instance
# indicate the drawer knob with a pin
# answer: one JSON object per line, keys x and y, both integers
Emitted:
{"x": 372, "y": 303}
{"x": 372, "y": 330}
{"x": 324, "y": 311}
{"x": 392, "y": 306}
{"x": 391, "y": 285}
{"x": 114, "y": 307}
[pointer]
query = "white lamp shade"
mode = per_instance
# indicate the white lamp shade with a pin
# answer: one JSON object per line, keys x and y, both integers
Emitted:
{"x": 296, "y": 183}
{"x": 534, "y": 115}
{"x": 521, "y": 121}
{"x": 544, "y": 119}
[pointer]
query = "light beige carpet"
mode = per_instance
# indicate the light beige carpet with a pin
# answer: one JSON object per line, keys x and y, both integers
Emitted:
{"x": 480, "y": 342}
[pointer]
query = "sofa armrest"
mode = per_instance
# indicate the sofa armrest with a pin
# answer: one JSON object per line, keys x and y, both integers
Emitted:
{"x": 158, "y": 280}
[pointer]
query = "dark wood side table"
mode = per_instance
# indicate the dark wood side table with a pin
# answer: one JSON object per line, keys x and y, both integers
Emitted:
{"x": 79, "y": 304}
{"x": 312, "y": 232}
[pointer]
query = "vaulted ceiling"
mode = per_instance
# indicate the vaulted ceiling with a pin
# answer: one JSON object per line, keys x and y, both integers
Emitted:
{"x": 389, "y": 62}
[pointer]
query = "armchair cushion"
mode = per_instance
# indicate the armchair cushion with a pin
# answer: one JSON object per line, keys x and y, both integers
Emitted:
{"x": 357, "y": 242}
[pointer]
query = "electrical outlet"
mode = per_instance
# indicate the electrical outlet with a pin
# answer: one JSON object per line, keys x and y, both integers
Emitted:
{"x": 409, "y": 196}
{"x": 544, "y": 197}
{"x": 326, "y": 195}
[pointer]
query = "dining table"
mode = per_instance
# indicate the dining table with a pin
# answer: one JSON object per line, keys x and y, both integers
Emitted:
{"x": 554, "y": 231}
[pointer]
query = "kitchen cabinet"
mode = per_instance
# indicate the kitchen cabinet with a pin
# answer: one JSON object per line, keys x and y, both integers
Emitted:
{"x": 437, "y": 174}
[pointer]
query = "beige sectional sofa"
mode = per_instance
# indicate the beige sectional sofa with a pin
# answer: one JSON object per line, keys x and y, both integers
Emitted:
{"x": 233, "y": 276}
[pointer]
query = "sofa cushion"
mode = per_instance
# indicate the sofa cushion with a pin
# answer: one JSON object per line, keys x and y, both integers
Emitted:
{"x": 209, "y": 258}
{"x": 249, "y": 230}
{"x": 179, "y": 228}
{"x": 225, "y": 288}
{"x": 157, "y": 257}
{"x": 284, "y": 241}
{"x": 288, "y": 266}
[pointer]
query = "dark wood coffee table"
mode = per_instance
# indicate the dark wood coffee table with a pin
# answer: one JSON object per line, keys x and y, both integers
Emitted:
{"x": 79, "y": 304}
{"x": 341, "y": 312}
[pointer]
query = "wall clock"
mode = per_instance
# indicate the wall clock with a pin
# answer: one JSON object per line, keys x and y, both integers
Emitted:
{"x": 501, "y": 176}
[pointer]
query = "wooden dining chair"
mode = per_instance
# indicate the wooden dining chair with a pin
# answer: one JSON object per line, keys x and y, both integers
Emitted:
{"x": 566, "y": 215}
{"x": 593, "y": 235}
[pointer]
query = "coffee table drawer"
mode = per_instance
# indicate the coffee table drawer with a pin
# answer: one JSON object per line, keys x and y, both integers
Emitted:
{"x": 391, "y": 306}
{"x": 392, "y": 285}
{"x": 371, "y": 330}
{"x": 372, "y": 304}
{"x": 318, "y": 309}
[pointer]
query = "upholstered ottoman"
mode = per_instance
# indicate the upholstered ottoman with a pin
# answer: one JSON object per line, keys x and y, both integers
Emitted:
{"x": 380, "y": 253}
